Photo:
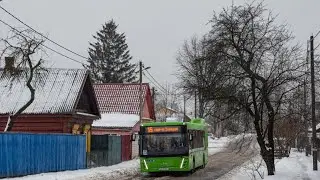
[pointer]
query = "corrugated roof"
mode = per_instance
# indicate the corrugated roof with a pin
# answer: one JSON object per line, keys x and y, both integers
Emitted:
{"x": 119, "y": 98}
{"x": 56, "y": 91}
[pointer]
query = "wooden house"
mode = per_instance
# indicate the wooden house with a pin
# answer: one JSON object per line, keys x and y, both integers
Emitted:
{"x": 64, "y": 102}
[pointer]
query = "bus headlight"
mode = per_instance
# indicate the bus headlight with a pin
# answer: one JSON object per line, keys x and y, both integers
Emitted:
{"x": 145, "y": 164}
{"x": 181, "y": 163}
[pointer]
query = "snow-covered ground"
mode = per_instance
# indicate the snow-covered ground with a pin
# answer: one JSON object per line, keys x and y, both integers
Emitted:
{"x": 217, "y": 144}
{"x": 296, "y": 167}
{"x": 110, "y": 172}
{"x": 116, "y": 171}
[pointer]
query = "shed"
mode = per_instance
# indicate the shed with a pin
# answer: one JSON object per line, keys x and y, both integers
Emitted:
{"x": 119, "y": 105}
{"x": 116, "y": 124}
{"x": 64, "y": 102}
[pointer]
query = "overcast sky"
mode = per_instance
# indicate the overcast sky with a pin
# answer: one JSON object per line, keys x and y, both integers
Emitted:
{"x": 155, "y": 30}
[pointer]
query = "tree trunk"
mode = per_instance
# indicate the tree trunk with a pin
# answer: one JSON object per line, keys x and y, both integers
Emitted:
{"x": 270, "y": 166}
{"x": 268, "y": 158}
{"x": 201, "y": 104}
{"x": 267, "y": 153}
{"x": 32, "y": 94}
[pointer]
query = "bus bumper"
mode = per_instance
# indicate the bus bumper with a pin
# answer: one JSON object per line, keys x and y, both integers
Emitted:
{"x": 164, "y": 164}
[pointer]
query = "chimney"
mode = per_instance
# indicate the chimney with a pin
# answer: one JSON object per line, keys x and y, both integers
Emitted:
{"x": 9, "y": 64}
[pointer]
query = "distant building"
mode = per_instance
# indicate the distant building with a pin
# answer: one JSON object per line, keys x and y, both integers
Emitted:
{"x": 166, "y": 114}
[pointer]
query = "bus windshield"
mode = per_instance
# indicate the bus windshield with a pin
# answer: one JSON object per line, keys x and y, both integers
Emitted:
{"x": 164, "y": 144}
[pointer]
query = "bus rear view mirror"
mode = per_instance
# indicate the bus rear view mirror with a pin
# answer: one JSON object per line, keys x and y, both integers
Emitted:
{"x": 190, "y": 137}
{"x": 133, "y": 137}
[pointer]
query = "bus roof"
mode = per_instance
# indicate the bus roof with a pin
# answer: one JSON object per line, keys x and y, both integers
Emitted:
{"x": 198, "y": 124}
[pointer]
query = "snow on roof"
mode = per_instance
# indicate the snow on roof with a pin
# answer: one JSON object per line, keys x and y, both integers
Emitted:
{"x": 173, "y": 110}
{"x": 56, "y": 91}
{"x": 121, "y": 98}
{"x": 173, "y": 119}
{"x": 116, "y": 120}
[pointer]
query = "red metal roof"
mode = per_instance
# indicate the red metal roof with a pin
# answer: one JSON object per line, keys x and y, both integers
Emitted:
{"x": 122, "y": 98}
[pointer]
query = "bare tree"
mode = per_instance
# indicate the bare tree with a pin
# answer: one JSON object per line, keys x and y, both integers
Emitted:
{"x": 247, "y": 64}
{"x": 202, "y": 69}
{"x": 263, "y": 67}
{"x": 201, "y": 72}
{"x": 21, "y": 49}
{"x": 167, "y": 99}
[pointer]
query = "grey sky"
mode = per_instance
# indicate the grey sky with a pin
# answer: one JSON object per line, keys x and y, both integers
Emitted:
{"x": 155, "y": 30}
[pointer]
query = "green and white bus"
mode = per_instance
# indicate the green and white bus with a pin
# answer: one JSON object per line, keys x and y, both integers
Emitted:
{"x": 173, "y": 146}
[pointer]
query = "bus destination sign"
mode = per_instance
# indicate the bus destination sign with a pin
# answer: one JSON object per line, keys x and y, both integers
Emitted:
{"x": 167, "y": 129}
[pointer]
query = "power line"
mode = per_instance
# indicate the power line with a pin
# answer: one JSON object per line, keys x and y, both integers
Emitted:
{"x": 62, "y": 54}
{"x": 24, "y": 35}
{"x": 42, "y": 34}
{"x": 316, "y": 34}
{"x": 156, "y": 80}
{"x": 316, "y": 46}
{"x": 152, "y": 81}
{"x": 162, "y": 91}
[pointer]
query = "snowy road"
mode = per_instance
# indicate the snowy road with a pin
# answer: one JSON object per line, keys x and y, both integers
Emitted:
{"x": 235, "y": 154}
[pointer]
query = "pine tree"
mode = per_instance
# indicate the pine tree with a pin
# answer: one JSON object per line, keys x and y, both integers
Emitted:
{"x": 109, "y": 58}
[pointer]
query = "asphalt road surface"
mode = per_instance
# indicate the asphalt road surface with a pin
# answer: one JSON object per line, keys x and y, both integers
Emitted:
{"x": 238, "y": 152}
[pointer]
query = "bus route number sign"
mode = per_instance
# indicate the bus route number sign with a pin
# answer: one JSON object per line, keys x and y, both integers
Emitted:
{"x": 168, "y": 129}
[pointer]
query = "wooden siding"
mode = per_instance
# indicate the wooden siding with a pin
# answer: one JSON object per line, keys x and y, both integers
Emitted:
{"x": 43, "y": 124}
{"x": 146, "y": 110}
{"x": 36, "y": 124}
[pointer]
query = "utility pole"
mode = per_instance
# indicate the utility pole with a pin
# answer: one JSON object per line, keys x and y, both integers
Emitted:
{"x": 184, "y": 108}
{"x": 313, "y": 109}
{"x": 140, "y": 91}
{"x": 153, "y": 95}
{"x": 195, "y": 104}
{"x": 305, "y": 115}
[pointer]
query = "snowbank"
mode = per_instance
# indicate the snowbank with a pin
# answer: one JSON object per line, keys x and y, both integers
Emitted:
{"x": 297, "y": 166}
{"x": 101, "y": 173}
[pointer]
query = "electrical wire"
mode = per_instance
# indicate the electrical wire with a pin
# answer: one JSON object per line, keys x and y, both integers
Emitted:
{"x": 42, "y": 34}
{"x": 18, "y": 19}
{"x": 316, "y": 46}
{"x": 155, "y": 80}
{"x": 155, "y": 84}
{"x": 26, "y": 36}
{"x": 316, "y": 34}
